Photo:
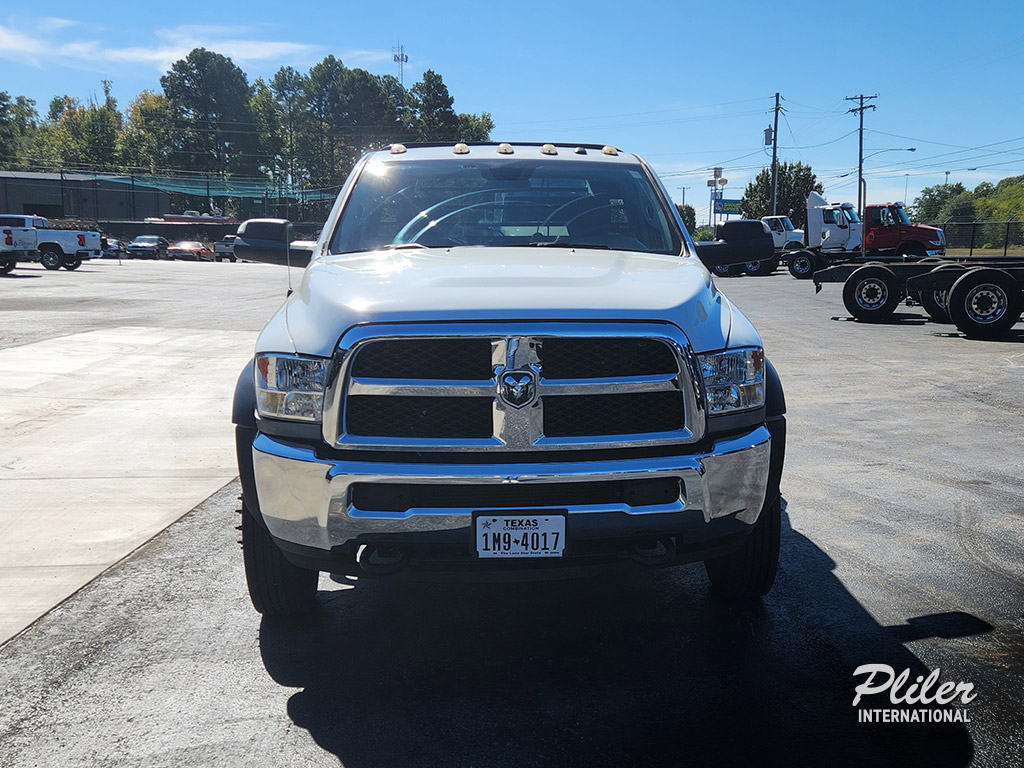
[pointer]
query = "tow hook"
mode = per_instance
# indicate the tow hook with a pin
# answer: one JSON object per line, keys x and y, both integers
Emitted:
{"x": 654, "y": 551}
{"x": 380, "y": 561}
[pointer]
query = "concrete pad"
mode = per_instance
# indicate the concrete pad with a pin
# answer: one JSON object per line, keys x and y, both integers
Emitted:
{"x": 109, "y": 436}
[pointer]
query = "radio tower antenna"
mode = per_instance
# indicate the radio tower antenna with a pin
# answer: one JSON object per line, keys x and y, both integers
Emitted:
{"x": 400, "y": 59}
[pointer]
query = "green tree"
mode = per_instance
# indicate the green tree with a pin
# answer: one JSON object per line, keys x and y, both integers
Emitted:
{"x": 213, "y": 123}
{"x": 930, "y": 201}
{"x": 146, "y": 141}
{"x": 689, "y": 216}
{"x": 796, "y": 181}
{"x": 959, "y": 207}
{"x": 269, "y": 134}
{"x": 435, "y": 118}
{"x": 325, "y": 88}
{"x": 18, "y": 123}
{"x": 475, "y": 127}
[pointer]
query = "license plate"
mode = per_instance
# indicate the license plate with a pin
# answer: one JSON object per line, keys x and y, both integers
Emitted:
{"x": 517, "y": 535}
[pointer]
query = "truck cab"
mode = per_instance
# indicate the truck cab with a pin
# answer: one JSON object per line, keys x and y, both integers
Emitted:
{"x": 785, "y": 236}
{"x": 834, "y": 228}
{"x": 888, "y": 228}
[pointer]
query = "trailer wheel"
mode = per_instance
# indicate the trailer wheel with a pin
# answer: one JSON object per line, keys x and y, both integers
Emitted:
{"x": 727, "y": 270}
{"x": 803, "y": 264}
{"x": 760, "y": 268}
{"x": 985, "y": 303}
{"x": 871, "y": 293}
{"x": 934, "y": 302}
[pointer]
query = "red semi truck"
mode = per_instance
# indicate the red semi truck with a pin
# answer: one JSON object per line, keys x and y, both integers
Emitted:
{"x": 834, "y": 234}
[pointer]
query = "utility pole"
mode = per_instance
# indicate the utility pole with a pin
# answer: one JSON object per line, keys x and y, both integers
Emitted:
{"x": 775, "y": 156}
{"x": 861, "y": 98}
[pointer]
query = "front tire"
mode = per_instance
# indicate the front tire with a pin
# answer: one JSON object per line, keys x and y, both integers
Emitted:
{"x": 749, "y": 572}
{"x": 277, "y": 588}
{"x": 762, "y": 268}
{"x": 803, "y": 264}
{"x": 51, "y": 258}
{"x": 984, "y": 303}
{"x": 727, "y": 270}
{"x": 871, "y": 293}
{"x": 71, "y": 263}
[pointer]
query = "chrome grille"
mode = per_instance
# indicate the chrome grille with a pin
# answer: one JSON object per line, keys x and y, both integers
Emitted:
{"x": 514, "y": 387}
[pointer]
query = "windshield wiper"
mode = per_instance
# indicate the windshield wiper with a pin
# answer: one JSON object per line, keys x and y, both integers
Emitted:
{"x": 556, "y": 244}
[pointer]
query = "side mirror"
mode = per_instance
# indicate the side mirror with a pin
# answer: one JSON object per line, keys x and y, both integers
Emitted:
{"x": 269, "y": 241}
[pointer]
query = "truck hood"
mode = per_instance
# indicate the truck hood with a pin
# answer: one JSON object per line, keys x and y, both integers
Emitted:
{"x": 500, "y": 284}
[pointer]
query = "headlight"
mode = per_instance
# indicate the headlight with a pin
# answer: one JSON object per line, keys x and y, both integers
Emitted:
{"x": 290, "y": 387}
{"x": 734, "y": 379}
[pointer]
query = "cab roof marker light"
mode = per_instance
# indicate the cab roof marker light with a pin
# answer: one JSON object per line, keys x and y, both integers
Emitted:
{"x": 579, "y": 151}
{"x": 505, "y": 148}
{"x": 398, "y": 149}
{"x": 548, "y": 149}
{"x": 460, "y": 149}
{"x": 610, "y": 150}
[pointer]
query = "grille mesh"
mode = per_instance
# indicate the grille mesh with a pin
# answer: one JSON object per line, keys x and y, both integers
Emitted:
{"x": 465, "y": 359}
{"x": 438, "y": 417}
{"x": 572, "y": 358}
{"x": 400, "y": 497}
{"x": 633, "y": 414}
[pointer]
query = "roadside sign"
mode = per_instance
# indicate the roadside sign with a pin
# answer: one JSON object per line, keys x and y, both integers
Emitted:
{"x": 727, "y": 206}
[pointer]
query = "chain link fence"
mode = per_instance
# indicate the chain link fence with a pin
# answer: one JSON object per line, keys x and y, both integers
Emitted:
{"x": 983, "y": 238}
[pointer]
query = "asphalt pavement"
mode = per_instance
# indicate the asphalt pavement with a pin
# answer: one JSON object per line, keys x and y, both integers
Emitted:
{"x": 903, "y": 544}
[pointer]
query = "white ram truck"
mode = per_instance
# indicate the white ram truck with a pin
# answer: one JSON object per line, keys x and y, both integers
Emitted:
{"x": 507, "y": 360}
{"x": 56, "y": 248}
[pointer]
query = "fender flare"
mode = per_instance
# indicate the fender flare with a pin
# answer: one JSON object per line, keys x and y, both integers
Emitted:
{"x": 774, "y": 396}
{"x": 243, "y": 408}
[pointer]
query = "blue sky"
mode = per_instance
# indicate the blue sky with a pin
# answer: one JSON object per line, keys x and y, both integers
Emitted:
{"x": 687, "y": 86}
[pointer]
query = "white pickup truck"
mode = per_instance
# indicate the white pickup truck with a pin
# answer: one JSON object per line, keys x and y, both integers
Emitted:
{"x": 53, "y": 248}
{"x": 505, "y": 360}
{"x": 17, "y": 243}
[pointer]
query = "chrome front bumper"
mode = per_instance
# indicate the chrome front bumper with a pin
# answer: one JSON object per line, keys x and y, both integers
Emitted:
{"x": 306, "y": 500}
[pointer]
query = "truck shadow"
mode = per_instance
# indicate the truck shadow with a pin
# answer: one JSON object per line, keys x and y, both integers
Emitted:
{"x": 634, "y": 669}
{"x": 896, "y": 318}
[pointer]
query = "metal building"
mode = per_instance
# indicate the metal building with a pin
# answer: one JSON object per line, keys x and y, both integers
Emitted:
{"x": 67, "y": 195}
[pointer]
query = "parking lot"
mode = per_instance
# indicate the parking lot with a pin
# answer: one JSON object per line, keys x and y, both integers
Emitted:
{"x": 903, "y": 544}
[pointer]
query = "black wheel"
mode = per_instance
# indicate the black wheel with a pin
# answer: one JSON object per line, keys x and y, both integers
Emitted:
{"x": 276, "y": 587}
{"x": 71, "y": 263}
{"x": 51, "y": 258}
{"x": 984, "y": 303}
{"x": 871, "y": 293}
{"x": 749, "y": 572}
{"x": 934, "y": 302}
{"x": 760, "y": 268}
{"x": 803, "y": 264}
{"x": 728, "y": 270}
{"x": 7, "y": 266}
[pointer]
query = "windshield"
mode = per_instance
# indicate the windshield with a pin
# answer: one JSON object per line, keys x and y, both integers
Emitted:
{"x": 787, "y": 224}
{"x": 503, "y": 202}
{"x": 146, "y": 239}
{"x": 851, "y": 215}
{"x": 901, "y": 214}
